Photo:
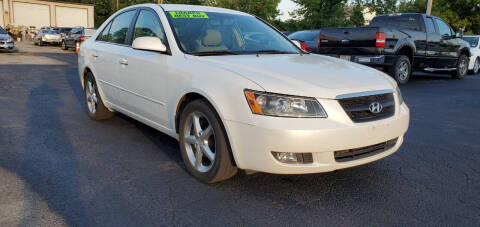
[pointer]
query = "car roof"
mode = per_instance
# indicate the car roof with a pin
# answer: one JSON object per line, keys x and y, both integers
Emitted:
{"x": 181, "y": 7}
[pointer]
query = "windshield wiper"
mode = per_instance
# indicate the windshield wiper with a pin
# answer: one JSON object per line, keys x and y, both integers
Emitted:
{"x": 212, "y": 53}
{"x": 274, "y": 52}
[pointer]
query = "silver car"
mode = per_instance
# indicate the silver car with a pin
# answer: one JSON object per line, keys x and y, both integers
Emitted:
{"x": 6, "y": 41}
{"x": 47, "y": 36}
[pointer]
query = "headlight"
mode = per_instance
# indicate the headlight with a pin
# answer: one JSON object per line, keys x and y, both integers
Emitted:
{"x": 400, "y": 97}
{"x": 9, "y": 40}
{"x": 283, "y": 105}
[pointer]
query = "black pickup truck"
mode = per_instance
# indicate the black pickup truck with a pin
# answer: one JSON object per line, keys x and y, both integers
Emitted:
{"x": 400, "y": 43}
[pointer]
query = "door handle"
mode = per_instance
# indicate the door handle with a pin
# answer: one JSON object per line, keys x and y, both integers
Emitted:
{"x": 123, "y": 61}
{"x": 95, "y": 55}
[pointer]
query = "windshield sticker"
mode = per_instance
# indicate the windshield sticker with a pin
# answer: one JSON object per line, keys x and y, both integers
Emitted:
{"x": 188, "y": 14}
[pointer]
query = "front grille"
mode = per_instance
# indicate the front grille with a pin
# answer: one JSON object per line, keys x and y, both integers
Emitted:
{"x": 357, "y": 108}
{"x": 363, "y": 152}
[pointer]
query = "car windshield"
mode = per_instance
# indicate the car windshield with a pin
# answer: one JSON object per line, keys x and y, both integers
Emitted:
{"x": 210, "y": 33}
{"x": 472, "y": 40}
{"x": 2, "y": 31}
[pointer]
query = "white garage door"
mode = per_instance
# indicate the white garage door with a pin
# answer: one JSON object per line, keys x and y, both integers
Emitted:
{"x": 1, "y": 14}
{"x": 29, "y": 14}
{"x": 71, "y": 17}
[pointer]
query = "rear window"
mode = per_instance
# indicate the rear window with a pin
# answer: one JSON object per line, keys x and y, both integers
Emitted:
{"x": 2, "y": 31}
{"x": 304, "y": 35}
{"x": 402, "y": 22}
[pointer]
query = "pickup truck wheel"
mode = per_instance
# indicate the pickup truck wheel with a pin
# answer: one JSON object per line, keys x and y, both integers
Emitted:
{"x": 95, "y": 108}
{"x": 204, "y": 144}
{"x": 401, "y": 69}
{"x": 462, "y": 67}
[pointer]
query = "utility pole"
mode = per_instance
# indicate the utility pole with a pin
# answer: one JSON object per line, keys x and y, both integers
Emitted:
{"x": 429, "y": 7}
{"x": 160, "y": 1}
{"x": 117, "y": 5}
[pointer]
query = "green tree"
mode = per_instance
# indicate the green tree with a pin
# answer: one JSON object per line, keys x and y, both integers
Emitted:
{"x": 356, "y": 18}
{"x": 382, "y": 6}
{"x": 321, "y": 13}
{"x": 265, "y": 9}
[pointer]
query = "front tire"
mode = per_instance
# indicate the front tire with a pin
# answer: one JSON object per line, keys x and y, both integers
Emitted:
{"x": 401, "y": 70}
{"x": 93, "y": 102}
{"x": 204, "y": 144}
{"x": 462, "y": 67}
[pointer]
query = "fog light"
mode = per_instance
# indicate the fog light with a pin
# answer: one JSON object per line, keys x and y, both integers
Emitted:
{"x": 293, "y": 158}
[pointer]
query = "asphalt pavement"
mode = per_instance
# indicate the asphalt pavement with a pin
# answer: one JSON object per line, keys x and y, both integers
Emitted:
{"x": 58, "y": 167}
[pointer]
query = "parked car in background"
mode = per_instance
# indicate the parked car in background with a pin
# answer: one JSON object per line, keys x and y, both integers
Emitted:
{"x": 309, "y": 39}
{"x": 400, "y": 43}
{"x": 63, "y": 31}
{"x": 233, "y": 103}
{"x": 474, "y": 41}
{"x": 76, "y": 36}
{"x": 6, "y": 41}
{"x": 47, "y": 36}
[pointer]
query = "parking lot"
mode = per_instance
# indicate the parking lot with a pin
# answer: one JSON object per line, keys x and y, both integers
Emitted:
{"x": 58, "y": 167}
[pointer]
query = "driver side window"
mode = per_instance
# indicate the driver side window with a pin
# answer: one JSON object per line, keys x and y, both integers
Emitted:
{"x": 443, "y": 28}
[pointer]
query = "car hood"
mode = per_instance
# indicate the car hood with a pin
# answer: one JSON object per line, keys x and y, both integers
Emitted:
{"x": 304, "y": 75}
{"x": 4, "y": 36}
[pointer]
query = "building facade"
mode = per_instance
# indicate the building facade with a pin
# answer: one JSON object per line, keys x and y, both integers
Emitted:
{"x": 45, "y": 13}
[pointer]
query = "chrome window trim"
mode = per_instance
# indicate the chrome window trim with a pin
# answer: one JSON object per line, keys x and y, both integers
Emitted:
{"x": 365, "y": 93}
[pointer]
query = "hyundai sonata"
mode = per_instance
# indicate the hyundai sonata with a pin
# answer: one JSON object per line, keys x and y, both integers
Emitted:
{"x": 237, "y": 93}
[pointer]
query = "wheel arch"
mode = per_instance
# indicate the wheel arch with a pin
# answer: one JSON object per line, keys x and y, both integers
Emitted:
{"x": 196, "y": 95}
{"x": 465, "y": 51}
{"x": 406, "y": 50}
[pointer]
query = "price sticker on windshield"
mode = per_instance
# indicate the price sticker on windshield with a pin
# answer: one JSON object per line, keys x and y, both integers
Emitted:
{"x": 188, "y": 14}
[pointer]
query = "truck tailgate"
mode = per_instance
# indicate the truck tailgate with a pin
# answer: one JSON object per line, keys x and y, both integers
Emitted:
{"x": 348, "y": 41}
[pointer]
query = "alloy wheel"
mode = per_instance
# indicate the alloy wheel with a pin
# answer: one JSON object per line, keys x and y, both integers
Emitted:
{"x": 199, "y": 138}
{"x": 92, "y": 100}
{"x": 463, "y": 67}
{"x": 403, "y": 70}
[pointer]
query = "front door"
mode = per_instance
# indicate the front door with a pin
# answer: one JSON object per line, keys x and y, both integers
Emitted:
{"x": 144, "y": 76}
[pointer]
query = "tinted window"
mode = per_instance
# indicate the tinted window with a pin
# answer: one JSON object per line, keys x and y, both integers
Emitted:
{"x": 148, "y": 25}
{"x": 304, "y": 35}
{"x": 406, "y": 22}
{"x": 473, "y": 41}
{"x": 104, "y": 35}
{"x": 120, "y": 25}
{"x": 2, "y": 31}
{"x": 78, "y": 31}
{"x": 443, "y": 28}
{"x": 430, "y": 26}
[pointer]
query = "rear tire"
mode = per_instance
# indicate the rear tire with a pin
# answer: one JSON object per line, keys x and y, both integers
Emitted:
{"x": 401, "y": 69}
{"x": 93, "y": 101}
{"x": 462, "y": 67}
{"x": 204, "y": 144}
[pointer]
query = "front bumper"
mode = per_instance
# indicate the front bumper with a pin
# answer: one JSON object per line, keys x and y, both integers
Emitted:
{"x": 6, "y": 45}
{"x": 252, "y": 144}
{"x": 377, "y": 60}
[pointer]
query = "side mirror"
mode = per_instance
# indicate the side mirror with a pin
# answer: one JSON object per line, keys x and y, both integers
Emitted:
{"x": 149, "y": 43}
{"x": 297, "y": 43}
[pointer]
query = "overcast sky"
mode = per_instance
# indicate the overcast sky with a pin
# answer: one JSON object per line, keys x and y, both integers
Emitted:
{"x": 285, "y": 7}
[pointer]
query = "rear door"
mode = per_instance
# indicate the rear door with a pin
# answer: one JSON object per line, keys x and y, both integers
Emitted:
{"x": 145, "y": 77}
{"x": 433, "y": 43}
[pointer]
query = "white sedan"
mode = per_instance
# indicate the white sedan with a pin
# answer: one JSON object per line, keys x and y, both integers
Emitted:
{"x": 474, "y": 41}
{"x": 237, "y": 102}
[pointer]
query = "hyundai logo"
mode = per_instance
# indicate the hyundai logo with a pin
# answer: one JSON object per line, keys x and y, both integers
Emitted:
{"x": 375, "y": 107}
